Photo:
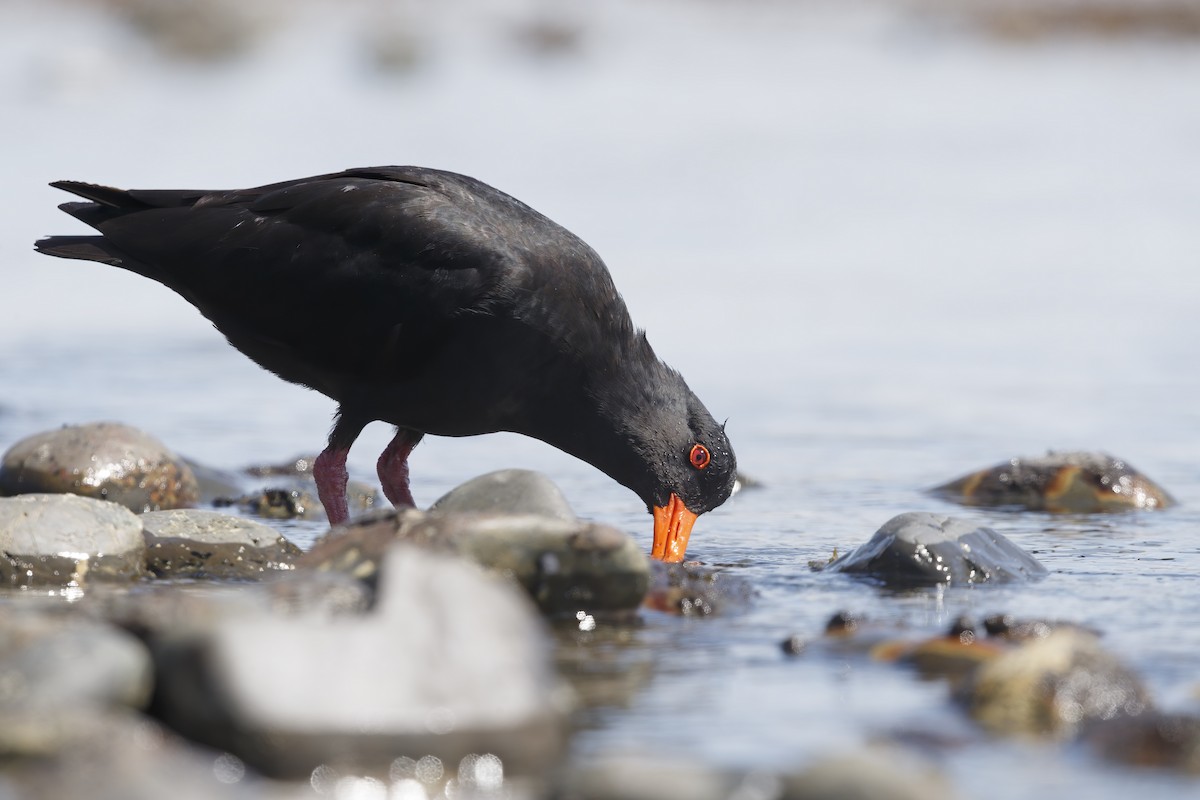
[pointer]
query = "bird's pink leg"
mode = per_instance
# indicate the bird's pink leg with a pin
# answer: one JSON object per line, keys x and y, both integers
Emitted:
{"x": 393, "y": 467}
{"x": 329, "y": 471}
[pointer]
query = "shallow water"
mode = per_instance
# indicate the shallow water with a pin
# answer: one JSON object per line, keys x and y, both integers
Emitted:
{"x": 888, "y": 252}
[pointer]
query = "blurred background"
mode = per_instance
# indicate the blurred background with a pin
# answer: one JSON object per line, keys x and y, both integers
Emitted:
{"x": 892, "y": 241}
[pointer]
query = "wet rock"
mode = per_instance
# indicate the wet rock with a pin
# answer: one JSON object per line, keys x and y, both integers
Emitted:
{"x": 921, "y": 549}
{"x": 565, "y": 566}
{"x": 1051, "y": 686}
{"x": 450, "y": 662}
{"x": 195, "y": 543}
{"x": 1009, "y": 628}
{"x": 691, "y": 589}
{"x": 1073, "y": 482}
{"x": 55, "y": 664}
{"x": 104, "y": 460}
{"x": 1152, "y": 739}
{"x": 299, "y": 501}
{"x": 63, "y": 539}
{"x": 508, "y": 491}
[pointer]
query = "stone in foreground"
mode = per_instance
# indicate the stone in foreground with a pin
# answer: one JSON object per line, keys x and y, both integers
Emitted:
{"x": 1052, "y": 686}
{"x": 53, "y": 664}
{"x": 1074, "y": 482}
{"x": 64, "y": 539}
{"x": 565, "y": 566}
{"x": 104, "y": 460}
{"x": 451, "y": 662}
{"x": 922, "y": 549}
{"x": 208, "y": 544}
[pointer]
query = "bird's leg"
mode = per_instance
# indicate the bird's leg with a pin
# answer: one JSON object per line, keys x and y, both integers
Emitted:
{"x": 329, "y": 469}
{"x": 393, "y": 467}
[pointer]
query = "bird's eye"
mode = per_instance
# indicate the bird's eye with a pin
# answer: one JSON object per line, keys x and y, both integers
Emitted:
{"x": 699, "y": 456}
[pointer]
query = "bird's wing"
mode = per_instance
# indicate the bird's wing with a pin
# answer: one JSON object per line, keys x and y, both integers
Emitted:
{"x": 319, "y": 265}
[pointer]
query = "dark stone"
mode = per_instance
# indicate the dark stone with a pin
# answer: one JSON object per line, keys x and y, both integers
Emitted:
{"x": 195, "y": 543}
{"x": 1075, "y": 482}
{"x": 64, "y": 539}
{"x": 920, "y": 549}
{"x": 450, "y": 662}
{"x": 565, "y": 566}
{"x": 104, "y": 460}
{"x": 508, "y": 491}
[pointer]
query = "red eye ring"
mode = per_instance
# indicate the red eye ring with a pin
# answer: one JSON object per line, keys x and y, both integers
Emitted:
{"x": 699, "y": 456}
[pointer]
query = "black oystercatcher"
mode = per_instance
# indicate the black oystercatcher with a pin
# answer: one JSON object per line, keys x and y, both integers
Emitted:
{"x": 433, "y": 302}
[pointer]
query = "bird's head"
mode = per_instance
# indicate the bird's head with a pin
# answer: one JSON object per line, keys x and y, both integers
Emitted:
{"x": 696, "y": 473}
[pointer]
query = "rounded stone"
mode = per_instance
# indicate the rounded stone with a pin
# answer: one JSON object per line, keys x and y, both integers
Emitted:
{"x": 508, "y": 491}
{"x": 918, "y": 548}
{"x": 61, "y": 539}
{"x": 104, "y": 460}
{"x": 193, "y": 542}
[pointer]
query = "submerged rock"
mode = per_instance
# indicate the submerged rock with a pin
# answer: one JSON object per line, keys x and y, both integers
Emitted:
{"x": 104, "y": 460}
{"x": 62, "y": 539}
{"x": 195, "y": 543}
{"x": 1051, "y": 686}
{"x": 1073, "y": 482}
{"x": 451, "y": 662}
{"x": 690, "y": 589}
{"x": 922, "y": 549}
{"x": 565, "y": 566}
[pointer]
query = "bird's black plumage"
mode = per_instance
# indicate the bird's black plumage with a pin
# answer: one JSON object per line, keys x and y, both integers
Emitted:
{"x": 425, "y": 299}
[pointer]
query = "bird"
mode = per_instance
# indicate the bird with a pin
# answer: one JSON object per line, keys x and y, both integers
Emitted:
{"x": 435, "y": 303}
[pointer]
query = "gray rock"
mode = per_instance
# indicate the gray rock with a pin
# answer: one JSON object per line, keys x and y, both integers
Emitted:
{"x": 1052, "y": 686}
{"x": 452, "y": 662}
{"x": 918, "y": 549}
{"x": 107, "y": 755}
{"x": 214, "y": 483}
{"x": 1070, "y": 482}
{"x": 62, "y": 539}
{"x": 104, "y": 460}
{"x": 195, "y": 543}
{"x": 565, "y": 566}
{"x": 508, "y": 491}
{"x": 56, "y": 663}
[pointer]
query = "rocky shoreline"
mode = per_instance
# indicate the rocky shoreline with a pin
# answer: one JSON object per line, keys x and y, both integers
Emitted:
{"x": 194, "y": 653}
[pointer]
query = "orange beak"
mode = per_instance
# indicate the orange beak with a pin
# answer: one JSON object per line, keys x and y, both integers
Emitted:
{"x": 672, "y": 529}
